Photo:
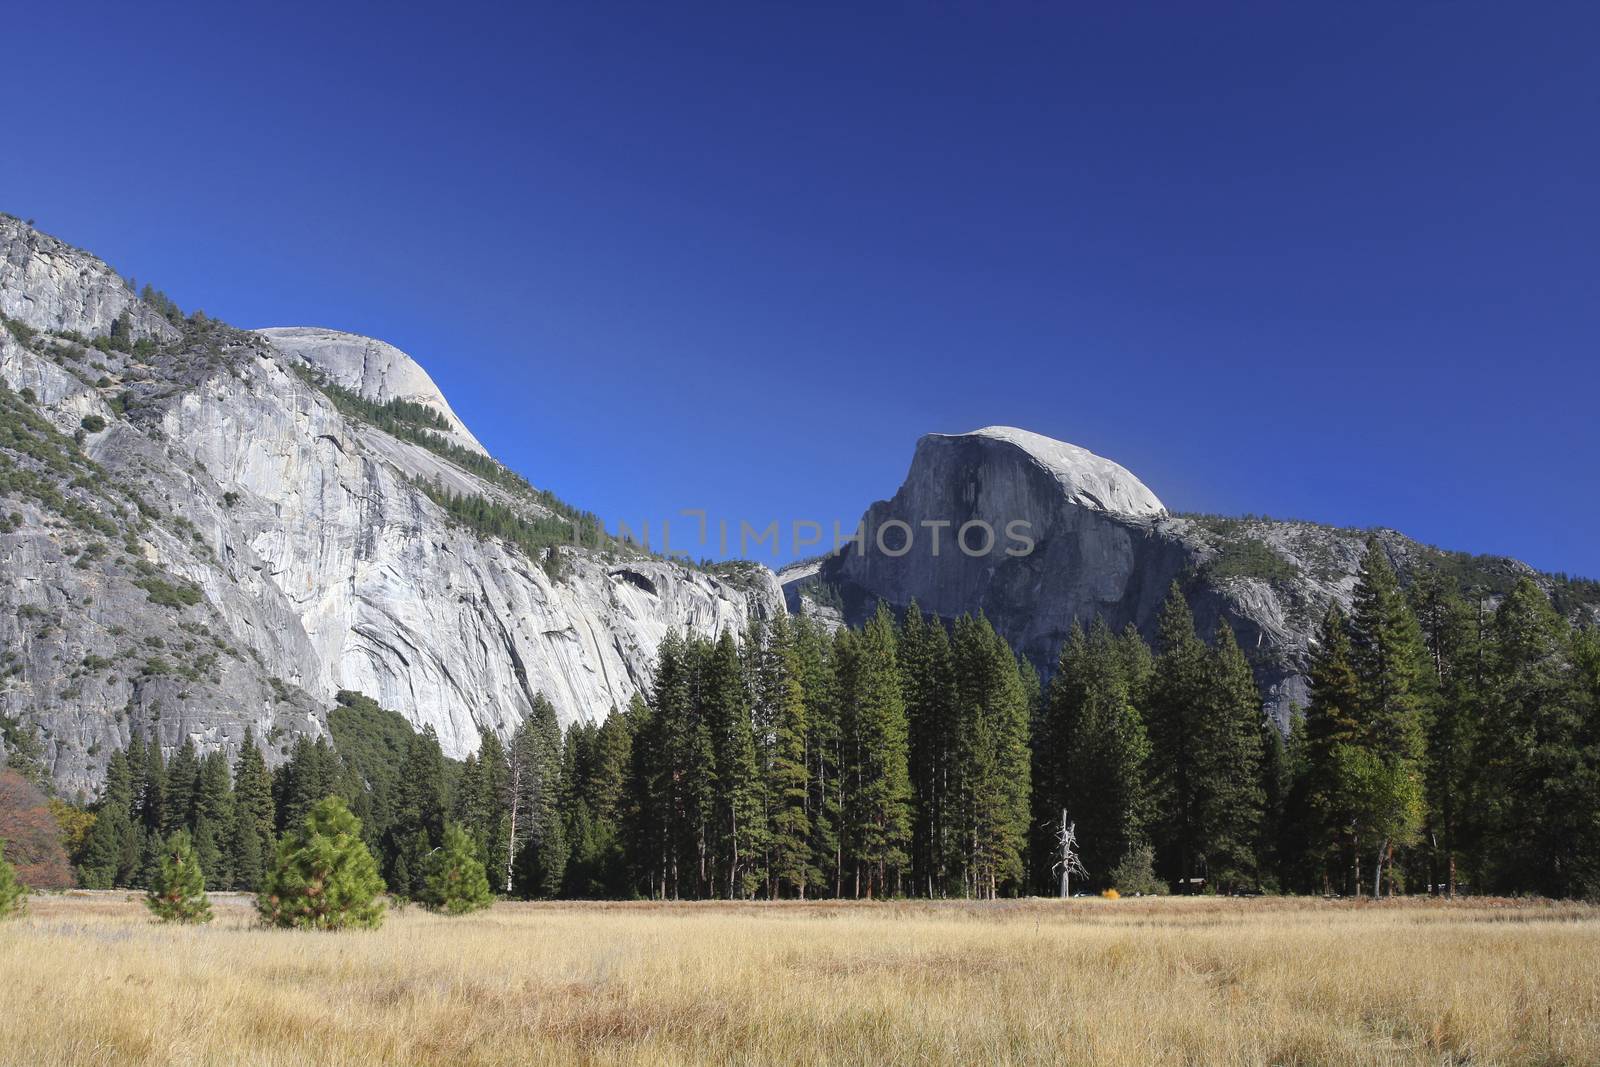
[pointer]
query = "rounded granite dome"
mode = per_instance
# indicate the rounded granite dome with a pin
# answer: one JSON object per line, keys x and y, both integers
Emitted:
{"x": 375, "y": 369}
{"x": 1089, "y": 480}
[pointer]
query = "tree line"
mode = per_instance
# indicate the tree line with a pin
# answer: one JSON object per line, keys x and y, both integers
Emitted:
{"x": 1443, "y": 746}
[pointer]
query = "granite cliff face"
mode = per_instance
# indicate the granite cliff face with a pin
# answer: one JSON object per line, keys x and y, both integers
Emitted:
{"x": 198, "y": 537}
{"x": 1104, "y": 546}
{"x": 204, "y": 529}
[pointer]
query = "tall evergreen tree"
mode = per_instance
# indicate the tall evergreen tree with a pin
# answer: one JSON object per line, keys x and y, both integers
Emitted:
{"x": 789, "y": 817}
{"x": 152, "y": 785}
{"x": 877, "y": 796}
{"x": 596, "y": 804}
{"x": 1542, "y": 754}
{"x": 992, "y": 769}
{"x": 1451, "y": 630}
{"x": 110, "y": 855}
{"x": 815, "y": 670}
{"x": 1175, "y": 716}
{"x": 537, "y": 851}
{"x": 311, "y": 773}
{"x": 417, "y": 827}
{"x": 1332, "y": 727}
{"x": 182, "y": 789}
{"x": 738, "y": 833}
{"x": 1229, "y": 796}
{"x": 928, "y": 687}
{"x": 1388, "y": 656}
{"x": 250, "y": 840}
{"x": 212, "y": 820}
{"x": 1102, "y": 780}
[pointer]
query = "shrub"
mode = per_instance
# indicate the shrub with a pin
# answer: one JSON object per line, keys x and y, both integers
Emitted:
{"x": 324, "y": 878}
{"x": 176, "y": 594}
{"x": 178, "y": 893}
{"x": 455, "y": 882}
{"x": 93, "y": 423}
{"x": 13, "y": 896}
{"x": 1135, "y": 874}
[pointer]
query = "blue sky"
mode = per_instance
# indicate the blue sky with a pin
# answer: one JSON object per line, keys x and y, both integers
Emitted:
{"x": 1326, "y": 261}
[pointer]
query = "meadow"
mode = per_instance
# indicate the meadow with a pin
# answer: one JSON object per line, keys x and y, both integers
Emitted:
{"x": 88, "y": 978}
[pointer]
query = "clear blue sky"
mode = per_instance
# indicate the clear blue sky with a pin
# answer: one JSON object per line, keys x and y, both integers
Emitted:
{"x": 1332, "y": 261}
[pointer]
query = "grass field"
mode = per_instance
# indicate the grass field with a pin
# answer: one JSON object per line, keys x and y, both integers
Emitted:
{"x": 89, "y": 979}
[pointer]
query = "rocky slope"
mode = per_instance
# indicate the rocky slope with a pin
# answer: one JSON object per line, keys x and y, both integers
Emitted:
{"x": 206, "y": 529}
{"x": 1105, "y": 546}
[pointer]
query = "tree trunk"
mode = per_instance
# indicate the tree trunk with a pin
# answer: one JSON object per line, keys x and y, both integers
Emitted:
{"x": 511, "y": 843}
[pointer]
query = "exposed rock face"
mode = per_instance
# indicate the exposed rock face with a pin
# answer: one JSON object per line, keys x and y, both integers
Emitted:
{"x": 50, "y": 285}
{"x": 376, "y": 370}
{"x": 1103, "y": 546}
{"x": 231, "y": 550}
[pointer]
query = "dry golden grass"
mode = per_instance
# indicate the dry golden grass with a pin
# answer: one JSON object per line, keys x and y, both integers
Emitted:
{"x": 89, "y": 979}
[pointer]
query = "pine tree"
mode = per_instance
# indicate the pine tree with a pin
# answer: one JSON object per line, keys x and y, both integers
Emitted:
{"x": 1228, "y": 790}
{"x": 738, "y": 832}
{"x": 323, "y": 876}
{"x": 150, "y": 852}
{"x": 178, "y": 892}
{"x": 928, "y": 688}
{"x": 183, "y": 788}
{"x": 454, "y": 881}
{"x": 111, "y": 852}
{"x": 213, "y": 820}
{"x": 417, "y": 827}
{"x": 1452, "y": 632}
{"x": 1541, "y": 760}
{"x": 787, "y": 778}
{"x": 1102, "y": 780}
{"x": 595, "y": 780}
{"x": 1054, "y": 723}
{"x": 490, "y": 822}
{"x": 250, "y": 841}
{"x": 818, "y": 678}
{"x": 151, "y": 792}
{"x": 992, "y": 758}
{"x": 1388, "y": 655}
{"x": 538, "y": 854}
{"x": 877, "y": 799}
{"x": 661, "y": 823}
{"x": 1276, "y": 783}
{"x": 13, "y": 894}
{"x": 310, "y": 775}
{"x": 646, "y": 820}
{"x": 1332, "y": 726}
{"x": 1175, "y": 715}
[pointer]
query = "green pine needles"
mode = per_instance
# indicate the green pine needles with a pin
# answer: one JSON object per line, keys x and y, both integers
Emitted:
{"x": 13, "y": 894}
{"x": 324, "y": 878}
{"x": 178, "y": 892}
{"x": 455, "y": 882}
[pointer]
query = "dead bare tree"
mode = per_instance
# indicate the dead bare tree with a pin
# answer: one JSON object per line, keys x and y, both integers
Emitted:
{"x": 1069, "y": 864}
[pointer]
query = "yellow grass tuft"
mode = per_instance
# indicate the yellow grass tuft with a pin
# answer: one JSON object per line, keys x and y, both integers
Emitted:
{"x": 91, "y": 980}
